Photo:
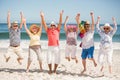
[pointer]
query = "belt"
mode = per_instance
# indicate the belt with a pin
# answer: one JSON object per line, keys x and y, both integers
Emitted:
{"x": 14, "y": 46}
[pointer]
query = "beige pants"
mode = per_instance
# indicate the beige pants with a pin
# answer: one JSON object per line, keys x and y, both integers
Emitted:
{"x": 16, "y": 50}
{"x": 37, "y": 50}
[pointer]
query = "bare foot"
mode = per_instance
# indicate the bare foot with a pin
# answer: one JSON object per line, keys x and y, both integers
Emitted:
{"x": 76, "y": 60}
{"x": 41, "y": 70}
{"x": 19, "y": 60}
{"x": 83, "y": 71}
{"x": 27, "y": 70}
{"x": 55, "y": 72}
{"x": 49, "y": 72}
{"x": 68, "y": 58}
{"x": 95, "y": 64}
{"x": 7, "y": 59}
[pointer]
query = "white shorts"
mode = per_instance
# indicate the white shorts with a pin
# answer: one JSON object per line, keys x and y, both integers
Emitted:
{"x": 16, "y": 50}
{"x": 31, "y": 54}
{"x": 105, "y": 52}
{"x": 53, "y": 55}
{"x": 70, "y": 49}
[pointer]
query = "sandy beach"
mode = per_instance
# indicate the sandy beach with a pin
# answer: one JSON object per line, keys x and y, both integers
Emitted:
{"x": 66, "y": 70}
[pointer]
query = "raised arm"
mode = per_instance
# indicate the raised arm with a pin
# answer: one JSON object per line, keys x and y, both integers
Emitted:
{"x": 40, "y": 28}
{"x": 78, "y": 20}
{"x": 115, "y": 25}
{"x": 97, "y": 25}
{"x": 65, "y": 23}
{"x": 60, "y": 20}
{"x": 43, "y": 21}
{"x": 92, "y": 17}
{"x": 25, "y": 26}
{"x": 8, "y": 19}
{"x": 21, "y": 16}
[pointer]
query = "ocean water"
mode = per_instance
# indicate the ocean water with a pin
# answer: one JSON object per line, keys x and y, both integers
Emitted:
{"x": 4, "y": 34}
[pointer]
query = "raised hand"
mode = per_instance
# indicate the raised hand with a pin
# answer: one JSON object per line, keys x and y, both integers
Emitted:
{"x": 78, "y": 18}
{"x": 61, "y": 12}
{"x": 114, "y": 21}
{"x": 8, "y": 13}
{"x": 91, "y": 13}
{"x": 98, "y": 18}
{"x": 41, "y": 13}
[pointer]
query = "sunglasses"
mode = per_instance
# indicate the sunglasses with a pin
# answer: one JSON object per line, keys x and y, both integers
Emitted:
{"x": 15, "y": 26}
{"x": 52, "y": 25}
{"x": 106, "y": 28}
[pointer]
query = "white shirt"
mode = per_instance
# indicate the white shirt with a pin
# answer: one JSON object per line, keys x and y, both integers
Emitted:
{"x": 106, "y": 39}
{"x": 87, "y": 40}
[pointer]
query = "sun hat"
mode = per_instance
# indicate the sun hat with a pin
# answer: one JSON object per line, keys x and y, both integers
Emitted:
{"x": 53, "y": 23}
{"x": 72, "y": 27}
{"x": 32, "y": 26}
{"x": 106, "y": 25}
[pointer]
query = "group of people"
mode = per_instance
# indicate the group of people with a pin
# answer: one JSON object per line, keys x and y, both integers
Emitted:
{"x": 106, "y": 33}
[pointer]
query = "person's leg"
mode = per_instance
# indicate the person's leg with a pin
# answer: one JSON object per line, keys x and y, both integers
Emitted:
{"x": 28, "y": 65}
{"x": 18, "y": 53}
{"x": 84, "y": 55}
{"x": 50, "y": 68}
{"x": 101, "y": 58}
{"x": 84, "y": 65}
{"x": 67, "y": 52}
{"x": 110, "y": 69}
{"x": 109, "y": 60}
{"x": 7, "y": 55}
{"x": 73, "y": 53}
{"x": 55, "y": 67}
{"x": 90, "y": 56}
{"x": 49, "y": 58}
{"x": 56, "y": 58}
{"x": 29, "y": 59}
{"x": 39, "y": 57}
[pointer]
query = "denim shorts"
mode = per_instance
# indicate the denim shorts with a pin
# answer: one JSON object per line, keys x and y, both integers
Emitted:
{"x": 87, "y": 53}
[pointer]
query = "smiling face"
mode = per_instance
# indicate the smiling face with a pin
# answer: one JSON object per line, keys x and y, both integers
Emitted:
{"x": 87, "y": 27}
{"x": 34, "y": 29}
{"x": 15, "y": 26}
{"x": 106, "y": 29}
{"x": 52, "y": 26}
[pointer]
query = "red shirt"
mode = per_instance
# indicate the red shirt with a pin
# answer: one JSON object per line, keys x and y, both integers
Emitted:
{"x": 53, "y": 36}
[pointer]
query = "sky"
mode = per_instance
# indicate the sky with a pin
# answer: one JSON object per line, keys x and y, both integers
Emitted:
{"x": 51, "y": 8}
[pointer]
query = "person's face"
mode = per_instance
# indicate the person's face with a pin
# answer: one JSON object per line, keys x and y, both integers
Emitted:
{"x": 53, "y": 26}
{"x": 107, "y": 29}
{"x": 15, "y": 26}
{"x": 34, "y": 30}
{"x": 87, "y": 27}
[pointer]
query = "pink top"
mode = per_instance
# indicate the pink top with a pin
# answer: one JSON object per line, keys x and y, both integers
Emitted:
{"x": 53, "y": 36}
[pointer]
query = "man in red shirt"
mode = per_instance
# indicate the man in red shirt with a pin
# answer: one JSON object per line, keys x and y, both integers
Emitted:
{"x": 53, "y": 32}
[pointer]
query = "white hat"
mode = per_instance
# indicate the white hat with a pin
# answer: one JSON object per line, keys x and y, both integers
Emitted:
{"x": 53, "y": 23}
{"x": 106, "y": 25}
{"x": 15, "y": 22}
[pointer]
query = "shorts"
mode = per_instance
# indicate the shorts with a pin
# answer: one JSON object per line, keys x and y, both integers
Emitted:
{"x": 70, "y": 49}
{"x": 53, "y": 55}
{"x": 87, "y": 53}
{"x": 37, "y": 50}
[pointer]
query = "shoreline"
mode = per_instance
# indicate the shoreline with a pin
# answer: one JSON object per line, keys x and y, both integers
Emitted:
{"x": 44, "y": 44}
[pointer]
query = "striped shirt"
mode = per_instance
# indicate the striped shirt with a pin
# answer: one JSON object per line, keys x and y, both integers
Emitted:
{"x": 14, "y": 36}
